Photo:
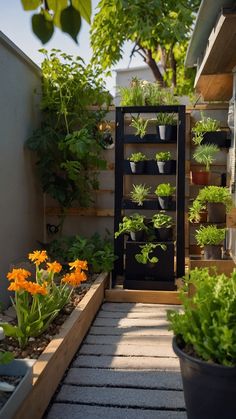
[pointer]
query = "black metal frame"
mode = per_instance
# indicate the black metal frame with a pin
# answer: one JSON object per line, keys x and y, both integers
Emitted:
{"x": 121, "y": 140}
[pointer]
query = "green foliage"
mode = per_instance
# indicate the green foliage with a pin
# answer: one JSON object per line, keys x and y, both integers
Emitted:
{"x": 166, "y": 119}
{"x": 214, "y": 194}
{"x": 139, "y": 193}
{"x": 5, "y": 357}
{"x": 195, "y": 211}
{"x": 136, "y": 157}
{"x": 165, "y": 189}
{"x": 146, "y": 249}
{"x": 163, "y": 156}
{"x": 68, "y": 143}
{"x": 140, "y": 126}
{"x": 207, "y": 325}
{"x": 210, "y": 235}
{"x": 130, "y": 224}
{"x": 64, "y": 14}
{"x": 161, "y": 220}
{"x": 205, "y": 154}
{"x": 206, "y": 124}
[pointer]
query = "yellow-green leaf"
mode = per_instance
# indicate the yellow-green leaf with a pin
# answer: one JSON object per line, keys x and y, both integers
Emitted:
{"x": 42, "y": 27}
{"x": 30, "y": 4}
{"x": 84, "y": 7}
{"x": 71, "y": 22}
{"x": 57, "y": 7}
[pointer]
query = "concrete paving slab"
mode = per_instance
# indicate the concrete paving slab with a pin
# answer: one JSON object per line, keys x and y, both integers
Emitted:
{"x": 132, "y": 307}
{"x": 132, "y": 330}
{"x": 121, "y": 349}
{"x": 124, "y": 322}
{"x": 80, "y": 411}
{"x": 152, "y": 315}
{"x": 129, "y": 339}
{"x": 123, "y": 362}
{"x": 124, "y": 378}
{"x": 158, "y": 399}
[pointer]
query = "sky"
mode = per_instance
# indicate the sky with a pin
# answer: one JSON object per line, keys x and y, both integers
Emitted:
{"x": 15, "y": 23}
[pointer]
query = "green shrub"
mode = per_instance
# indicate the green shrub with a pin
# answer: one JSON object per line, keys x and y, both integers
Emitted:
{"x": 130, "y": 224}
{"x": 205, "y": 154}
{"x": 140, "y": 125}
{"x": 213, "y": 194}
{"x": 163, "y": 156}
{"x": 139, "y": 193}
{"x": 166, "y": 119}
{"x": 210, "y": 235}
{"x": 162, "y": 220}
{"x": 136, "y": 157}
{"x": 165, "y": 189}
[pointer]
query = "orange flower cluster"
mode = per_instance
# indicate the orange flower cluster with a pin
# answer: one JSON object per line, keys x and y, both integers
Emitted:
{"x": 75, "y": 278}
{"x": 38, "y": 256}
{"x": 54, "y": 267}
{"x": 20, "y": 284}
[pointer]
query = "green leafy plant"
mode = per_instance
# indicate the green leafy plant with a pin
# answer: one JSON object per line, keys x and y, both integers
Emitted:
{"x": 38, "y": 302}
{"x": 202, "y": 126}
{"x": 5, "y": 356}
{"x": 205, "y": 154}
{"x": 210, "y": 235}
{"x": 163, "y": 156}
{"x": 136, "y": 157}
{"x": 139, "y": 193}
{"x": 206, "y": 326}
{"x": 195, "y": 211}
{"x": 140, "y": 126}
{"x": 134, "y": 223}
{"x": 166, "y": 119}
{"x": 165, "y": 189}
{"x": 214, "y": 194}
{"x": 161, "y": 220}
{"x": 146, "y": 249}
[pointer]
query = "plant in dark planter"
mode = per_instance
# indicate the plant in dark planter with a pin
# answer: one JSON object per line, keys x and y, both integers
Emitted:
{"x": 164, "y": 192}
{"x": 133, "y": 225}
{"x": 164, "y": 162}
{"x": 137, "y": 162}
{"x": 144, "y": 256}
{"x": 205, "y": 155}
{"x": 162, "y": 224}
{"x": 216, "y": 199}
{"x": 166, "y": 126}
{"x": 139, "y": 193}
{"x": 207, "y": 131}
{"x": 205, "y": 342}
{"x": 196, "y": 213}
{"x": 140, "y": 126}
{"x": 211, "y": 239}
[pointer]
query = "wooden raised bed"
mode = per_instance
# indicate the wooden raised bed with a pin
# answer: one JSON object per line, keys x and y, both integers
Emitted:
{"x": 50, "y": 367}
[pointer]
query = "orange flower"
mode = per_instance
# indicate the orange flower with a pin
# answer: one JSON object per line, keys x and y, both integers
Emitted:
{"x": 79, "y": 264}
{"x": 18, "y": 274}
{"x": 38, "y": 256}
{"x": 54, "y": 267}
{"x": 74, "y": 278}
{"x": 15, "y": 286}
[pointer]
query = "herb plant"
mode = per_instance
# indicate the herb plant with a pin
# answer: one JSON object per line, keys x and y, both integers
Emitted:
{"x": 146, "y": 249}
{"x": 195, "y": 211}
{"x": 166, "y": 119}
{"x": 210, "y": 235}
{"x": 140, "y": 126}
{"x": 163, "y": 156}
{"x": 139, "y": 193}
{"x": 134, "y": 223}
{"x": 136, "y": 157}
{"x": 205, "y": 154}
{"x": 206, "y": 327}
{"x": 162, "y": 220}
{"x": 165, "y": 189}
{"x": 214, "y": 194}
{"x": 202, "y": 126}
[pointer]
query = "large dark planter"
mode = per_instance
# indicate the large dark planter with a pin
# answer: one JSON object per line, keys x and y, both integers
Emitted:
{"x": 164, "y": 167}
{"x": 209, "y": 389}
{"x": 164, "y": 234}
{"x": 200, "y": 178}
{"x": 167, "y": 132}
{"x": 212, "y": 252}
{"x": 136, "y": 235}
{"x": 216, "y": 212}
{"x": 165, "y": 202}
{"x": 137, "y": 167}
{"x": 218, "y": 138}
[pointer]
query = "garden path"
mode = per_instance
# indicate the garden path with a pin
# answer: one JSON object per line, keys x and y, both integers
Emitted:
{"x": 125, "y": 368}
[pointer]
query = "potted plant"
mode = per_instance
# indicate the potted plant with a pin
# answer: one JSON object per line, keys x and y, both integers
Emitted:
{"x": 216, "y": 199}
{"x": 205, "y": 155}
{"x": 139, "y": 193}
{"x": 164, "y": 192}
{"x": 133, "y": 225}
{"x": 162, "y": 224}
{"x": 197, "y": 213}
{"x": 137, "y": 162}
{"x": 163, "y": 159}
{"x": 140, "y": 126}
{"x": 207, "y": 130}
{"x": 211, "y": 239}
{"x": 144, "y": 256}
{"x": 166, "y": 126}
{"x": 205, "y": 343}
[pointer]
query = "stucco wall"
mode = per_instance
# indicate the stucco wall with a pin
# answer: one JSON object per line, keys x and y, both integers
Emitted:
{"x": 21, "y": 204}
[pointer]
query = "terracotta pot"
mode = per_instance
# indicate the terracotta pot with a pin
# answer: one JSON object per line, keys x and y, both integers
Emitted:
{"x": 200, "y": 178}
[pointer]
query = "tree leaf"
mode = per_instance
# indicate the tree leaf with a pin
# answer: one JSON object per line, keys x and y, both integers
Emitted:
{"x": 57, "y": 7}
{"x": 71, "y": 22}
{"x": 30, "y": 4}
{"x": 42, "y": 27}
{"x": 84, "y": 7}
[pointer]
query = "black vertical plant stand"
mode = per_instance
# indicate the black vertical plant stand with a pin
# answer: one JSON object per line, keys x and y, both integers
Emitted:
{"x": 122, "y": 204}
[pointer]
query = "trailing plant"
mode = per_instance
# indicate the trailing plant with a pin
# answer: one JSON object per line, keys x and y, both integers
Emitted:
{"x": 165, "y": 189}
{"x": 205, "y": 154}
{"x": 139, "y": 193}
{"x": 206, "y": 326}
{"x": 210, "y": 235}
{"x": 134, "y": 223}
{"x": 140, "y": 125}
{"x": 163, "y": 156}
{"x": 162, "y": 220}
{"x": 206, "y": 124}
{"x": 195, "y": 211}
{"x": 136, "y": 157}
{"x": 211, "y": 194}
{"x": 166, "y": 119}
{"x": 144, "y": 256}
{"x": 68, "y": 143}
{"x": 39, "y": 301}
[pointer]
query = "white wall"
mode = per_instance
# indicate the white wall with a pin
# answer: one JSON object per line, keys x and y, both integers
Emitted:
{"x": 21, "y": 204}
